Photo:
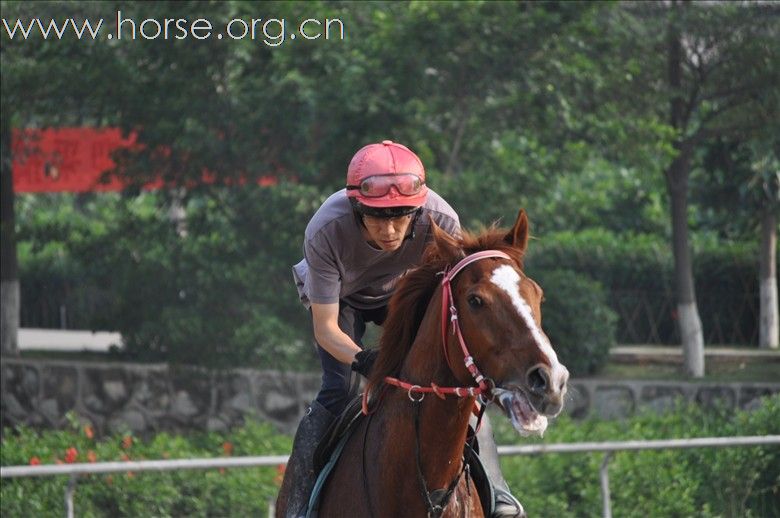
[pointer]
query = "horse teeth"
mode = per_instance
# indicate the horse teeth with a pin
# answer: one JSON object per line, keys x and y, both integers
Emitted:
{"x": 523, "y": 416}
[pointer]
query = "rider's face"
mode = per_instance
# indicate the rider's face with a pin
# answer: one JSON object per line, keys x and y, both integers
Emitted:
{"x": 387, "y": 233}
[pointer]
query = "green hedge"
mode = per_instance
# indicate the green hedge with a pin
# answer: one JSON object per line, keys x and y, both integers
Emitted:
{"x": 637, "y": 271}
{"x": 578, "y": 320}
{"x": 52, "y": 275}
{"x": 708, "y": 482}
{"x": 725, "y": 482}
{"x": 229, "y": 492}
{"x": 223, "y": 295}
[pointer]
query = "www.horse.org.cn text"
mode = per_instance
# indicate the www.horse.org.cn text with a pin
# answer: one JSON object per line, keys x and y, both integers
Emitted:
{"x": 269, "y": 31}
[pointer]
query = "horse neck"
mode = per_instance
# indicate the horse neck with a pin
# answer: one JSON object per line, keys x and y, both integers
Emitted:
{"x": 443, "y": 422}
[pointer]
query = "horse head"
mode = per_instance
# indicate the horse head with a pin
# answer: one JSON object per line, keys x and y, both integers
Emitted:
{"x": 498, "y": 311}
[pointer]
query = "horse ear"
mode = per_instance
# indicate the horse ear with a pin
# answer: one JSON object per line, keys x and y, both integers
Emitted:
{"x": 447, "y": 246}
{"x": 518, "y": 236}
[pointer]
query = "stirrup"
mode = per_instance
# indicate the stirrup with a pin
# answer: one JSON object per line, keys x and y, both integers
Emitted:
{"x": 506, "y": 505}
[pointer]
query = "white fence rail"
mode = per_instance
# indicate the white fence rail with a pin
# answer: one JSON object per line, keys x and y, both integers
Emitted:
{"x": 609, "y": 448}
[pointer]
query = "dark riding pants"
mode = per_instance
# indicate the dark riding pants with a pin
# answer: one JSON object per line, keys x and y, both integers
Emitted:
{"x": 339, "y": 382}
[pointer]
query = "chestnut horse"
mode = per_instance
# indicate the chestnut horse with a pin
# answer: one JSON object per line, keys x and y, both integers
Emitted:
{"x": 469, "y": 298}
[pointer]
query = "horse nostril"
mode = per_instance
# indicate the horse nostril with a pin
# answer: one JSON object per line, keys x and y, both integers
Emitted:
{"x": 538, "y": 380}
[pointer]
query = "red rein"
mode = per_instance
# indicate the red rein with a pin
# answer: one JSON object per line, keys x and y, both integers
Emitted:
{"x": 485, "y": 385}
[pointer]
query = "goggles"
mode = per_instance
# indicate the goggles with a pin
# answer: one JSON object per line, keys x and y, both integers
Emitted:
{"x": 376, "y": 186}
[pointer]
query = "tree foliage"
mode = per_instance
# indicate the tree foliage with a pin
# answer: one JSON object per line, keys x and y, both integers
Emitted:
{"x": 560, "y": 107}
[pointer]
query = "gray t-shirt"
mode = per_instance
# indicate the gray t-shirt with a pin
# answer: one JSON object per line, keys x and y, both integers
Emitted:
{"x": 339, "y": 264}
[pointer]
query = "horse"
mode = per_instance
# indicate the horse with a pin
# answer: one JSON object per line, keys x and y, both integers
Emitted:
{"x": 463, "y": 327}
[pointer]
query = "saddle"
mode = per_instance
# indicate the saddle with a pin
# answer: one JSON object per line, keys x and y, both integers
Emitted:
{"x": 335, "y": 438}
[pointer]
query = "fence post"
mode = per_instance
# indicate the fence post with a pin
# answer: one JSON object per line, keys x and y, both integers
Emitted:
{"x": 70, "y": 489}
{"x": 63, "y": 317}
{"x": 604, "y": 478}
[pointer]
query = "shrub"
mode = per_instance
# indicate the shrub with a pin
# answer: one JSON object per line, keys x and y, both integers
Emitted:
{"x": 229, "y": 492}
{"x": 637, "y": 272}
{"x": 221, "y": 296}
{"x": 578, "y": 320}
{"x": 724, "y": 482}
{"x": 56, "y": 286}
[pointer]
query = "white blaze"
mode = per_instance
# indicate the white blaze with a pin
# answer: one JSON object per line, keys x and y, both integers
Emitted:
{"x": 507, "y": 278}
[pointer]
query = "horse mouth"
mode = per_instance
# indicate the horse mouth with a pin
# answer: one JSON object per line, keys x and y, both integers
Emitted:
{"x": 525, "y": 419}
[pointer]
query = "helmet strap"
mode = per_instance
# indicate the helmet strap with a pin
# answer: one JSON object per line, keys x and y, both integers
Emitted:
{"x": 416, "y": 216}
{"x": 358, "y": 217}
{"x": 412, "y": 224}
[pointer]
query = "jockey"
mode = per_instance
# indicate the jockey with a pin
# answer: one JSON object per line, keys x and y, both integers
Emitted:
{"x": 356, "y": 247}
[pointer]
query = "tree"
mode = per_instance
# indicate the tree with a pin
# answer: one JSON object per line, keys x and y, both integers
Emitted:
{"x": 737, "y": 197}
{"x": 9, "y": 296}
{"x": 505, "y": 103}
{"x": 44, "y": 82}
{"x": 677, "y": 185}
{"x": 715, "y": 65}
{"x": 765, "y": 186}
{"x": 227, "y": 107}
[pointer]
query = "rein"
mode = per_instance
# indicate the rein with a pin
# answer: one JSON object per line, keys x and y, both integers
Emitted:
{"x": 442, "y": 392}
{"x": 436, "y": 500}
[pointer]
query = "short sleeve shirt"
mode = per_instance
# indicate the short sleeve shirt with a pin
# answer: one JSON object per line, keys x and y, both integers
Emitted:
{"x": 339, "y": 264}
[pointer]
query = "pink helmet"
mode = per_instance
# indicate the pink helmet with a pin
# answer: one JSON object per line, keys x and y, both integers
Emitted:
{"x": 386, "y": 180}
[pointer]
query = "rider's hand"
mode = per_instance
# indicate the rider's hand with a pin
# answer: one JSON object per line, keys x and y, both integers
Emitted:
{"x": 364, "y": 360}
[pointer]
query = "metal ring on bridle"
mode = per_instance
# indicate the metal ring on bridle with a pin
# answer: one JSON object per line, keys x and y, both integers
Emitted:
{"x": 409, "y": 393}
{"x": 491, "y": 391}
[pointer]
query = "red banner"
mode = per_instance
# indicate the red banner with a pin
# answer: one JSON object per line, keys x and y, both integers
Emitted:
{"x": 74, "y": 160}
{"x": 65, "y": 159}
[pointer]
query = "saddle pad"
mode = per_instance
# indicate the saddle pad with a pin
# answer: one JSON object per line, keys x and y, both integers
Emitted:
{"x": 340, "y": 427}
{"x": 314, "y": 499}
{"x": 329, "y": 451}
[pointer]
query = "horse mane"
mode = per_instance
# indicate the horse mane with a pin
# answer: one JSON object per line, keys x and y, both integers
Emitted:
{"x": 413, "y": 294}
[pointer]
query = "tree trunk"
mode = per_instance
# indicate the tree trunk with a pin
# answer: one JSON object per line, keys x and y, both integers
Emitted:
{"x": 688, "y": 321}
{"x": 9, "y": 273}
{"x": 769, "y": 323}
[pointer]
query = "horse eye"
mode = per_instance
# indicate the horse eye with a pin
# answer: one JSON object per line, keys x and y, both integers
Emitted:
{"x": 474, "y": 301}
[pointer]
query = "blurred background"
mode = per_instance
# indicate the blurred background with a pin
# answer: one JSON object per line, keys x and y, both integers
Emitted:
{"x": 156, "y": 186}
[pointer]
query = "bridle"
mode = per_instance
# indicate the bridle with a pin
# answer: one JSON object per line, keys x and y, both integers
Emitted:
{"x": 436, "y": 501}
{"x": 485, "y": 385}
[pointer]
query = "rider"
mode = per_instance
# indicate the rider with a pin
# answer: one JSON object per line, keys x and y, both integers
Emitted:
{"x": 356, "y": 247}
